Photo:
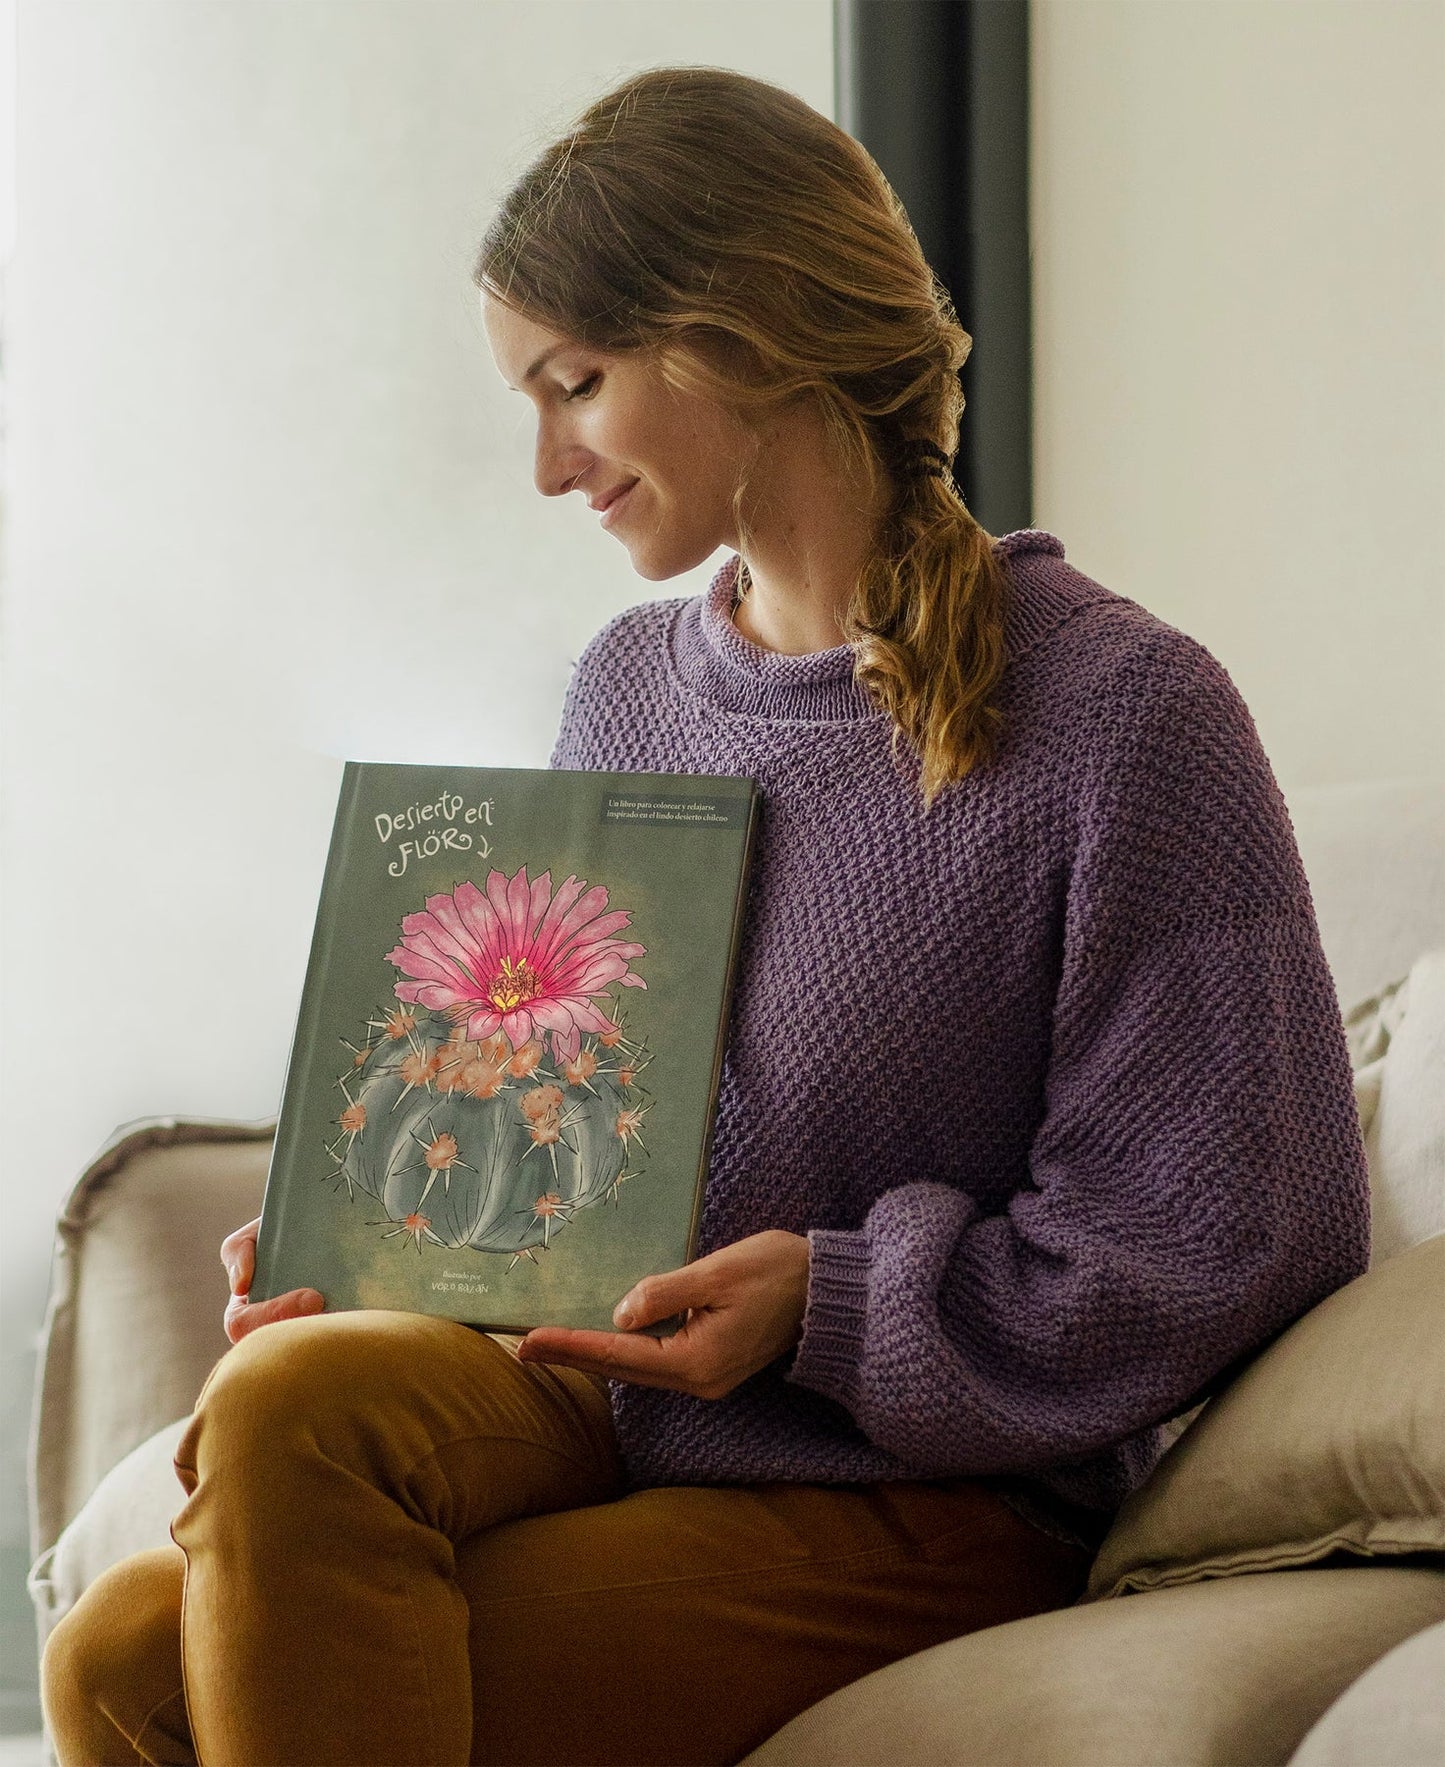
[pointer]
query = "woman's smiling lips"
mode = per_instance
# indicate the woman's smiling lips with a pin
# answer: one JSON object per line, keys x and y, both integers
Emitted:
{"x": 614, "y": 502}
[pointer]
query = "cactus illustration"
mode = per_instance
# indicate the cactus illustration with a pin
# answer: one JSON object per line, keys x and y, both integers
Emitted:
{"x": 452, "y": 1113}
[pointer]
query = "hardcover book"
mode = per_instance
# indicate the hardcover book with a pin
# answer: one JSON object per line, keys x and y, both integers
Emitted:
{"x": 500, "y": 1096}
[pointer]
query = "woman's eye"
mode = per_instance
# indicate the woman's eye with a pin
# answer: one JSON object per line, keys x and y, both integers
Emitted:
{"x": 581, "y": 390}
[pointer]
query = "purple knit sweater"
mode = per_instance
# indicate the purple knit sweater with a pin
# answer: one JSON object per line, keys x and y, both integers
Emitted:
{"x": 1053, "y": 1078}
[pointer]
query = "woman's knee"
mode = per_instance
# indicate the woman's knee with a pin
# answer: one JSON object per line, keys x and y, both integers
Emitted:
{"x": 304, "y": 1373}
{"x": 350, "y": 1386}
{"x": 112, "y": 1665}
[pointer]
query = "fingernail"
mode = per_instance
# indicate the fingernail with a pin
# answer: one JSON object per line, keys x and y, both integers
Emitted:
{"x": 622, "y": 1314}
{"x": 312, "y": 1301}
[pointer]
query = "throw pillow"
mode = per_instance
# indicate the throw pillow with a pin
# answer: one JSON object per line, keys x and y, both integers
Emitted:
{"x": 1332, "y": 1439}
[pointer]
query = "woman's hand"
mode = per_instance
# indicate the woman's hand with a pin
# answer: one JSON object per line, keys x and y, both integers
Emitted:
{"x": 238, "y": 1254}
{"x": 746, "y": 1304}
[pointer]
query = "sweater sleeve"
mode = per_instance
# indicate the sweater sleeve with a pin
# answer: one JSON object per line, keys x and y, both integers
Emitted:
{"x": 1197, "y": 1179}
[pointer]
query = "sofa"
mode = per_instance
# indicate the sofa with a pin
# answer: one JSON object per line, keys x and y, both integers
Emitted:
{"x": 1274, "y": 1593}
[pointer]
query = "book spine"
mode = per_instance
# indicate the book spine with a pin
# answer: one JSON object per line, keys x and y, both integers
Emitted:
{"x": 284, "y": 1155}
{"x": 740, "y": 902}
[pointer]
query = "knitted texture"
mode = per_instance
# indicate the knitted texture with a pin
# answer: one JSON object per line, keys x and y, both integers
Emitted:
{"x": 1053, "y": 1078}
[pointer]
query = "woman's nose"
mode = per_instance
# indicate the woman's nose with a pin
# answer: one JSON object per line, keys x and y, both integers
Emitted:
{"x": 558, "y": 465}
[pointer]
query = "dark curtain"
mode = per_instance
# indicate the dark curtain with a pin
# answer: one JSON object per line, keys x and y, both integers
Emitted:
{"x": 937, "y": 91}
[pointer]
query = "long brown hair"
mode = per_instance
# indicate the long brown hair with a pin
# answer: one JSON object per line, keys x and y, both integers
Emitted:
{"x": 757, "y": 249}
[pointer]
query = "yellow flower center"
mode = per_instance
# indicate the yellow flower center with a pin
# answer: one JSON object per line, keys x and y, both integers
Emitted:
{"x": 512, "y": 984}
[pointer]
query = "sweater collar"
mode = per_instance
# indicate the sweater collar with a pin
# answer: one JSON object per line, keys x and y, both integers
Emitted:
{"x": 716, "y": 662}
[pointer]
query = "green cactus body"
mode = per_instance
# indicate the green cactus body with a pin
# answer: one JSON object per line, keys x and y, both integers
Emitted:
{"x": 466, "y": 1154}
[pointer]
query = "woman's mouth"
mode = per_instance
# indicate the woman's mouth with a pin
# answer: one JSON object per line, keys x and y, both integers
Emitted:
{"x": 617, "y": 502}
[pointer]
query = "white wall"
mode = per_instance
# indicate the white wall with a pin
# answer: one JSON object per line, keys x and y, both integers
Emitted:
{"x": 269, "y": 507}
{"x": 1239, "y": 275}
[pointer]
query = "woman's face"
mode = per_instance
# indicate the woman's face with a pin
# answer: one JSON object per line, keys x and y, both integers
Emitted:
{"x": 607, "y": 422}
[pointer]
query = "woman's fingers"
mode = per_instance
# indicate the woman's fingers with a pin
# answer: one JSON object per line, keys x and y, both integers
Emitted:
{"x": 608, "y": 1353}
{"x": 238, "y": 1254}
{"x": 244, "y": 1316}
{"x": 644, "y": 1360}
{"x": 744, "y": 1304}
{"x": 659, "y": 1297}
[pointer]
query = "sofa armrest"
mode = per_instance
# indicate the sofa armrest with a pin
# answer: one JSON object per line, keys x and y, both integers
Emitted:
{"x": 137, "y": 1293}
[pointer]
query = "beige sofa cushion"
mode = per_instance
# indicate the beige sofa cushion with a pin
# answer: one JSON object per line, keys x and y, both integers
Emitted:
{"x": 1333, "y": 1439}
{"x": 1374, "y": 854}
{"x": 129, "y": 1511}
{"x": 1393, "y": 1716}
{"x": 1225, "y": 1674}
{"x": 1397, "y": 1048}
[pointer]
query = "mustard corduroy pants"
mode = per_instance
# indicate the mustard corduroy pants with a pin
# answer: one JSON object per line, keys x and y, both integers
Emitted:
{"x": 400, "y": 1547}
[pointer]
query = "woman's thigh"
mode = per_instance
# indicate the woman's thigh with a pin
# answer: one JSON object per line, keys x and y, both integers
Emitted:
{"x": 684, "y": 1625}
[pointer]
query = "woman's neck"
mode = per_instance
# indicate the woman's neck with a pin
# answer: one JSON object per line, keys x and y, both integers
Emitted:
{"x": 786, "y": 622}
{"x": 811, "y": 531}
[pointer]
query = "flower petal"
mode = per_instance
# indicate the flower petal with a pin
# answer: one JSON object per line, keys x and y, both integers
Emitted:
{"x": 546, "y": 939}
{"x": 585, "y": 1014}
{"x": 541, "y": 900}
{"x": 587, "y": 908}
{"x": 502, "y": 908}
{"x": 422, "y": 963}
{"x": 480, "y": 920}
{"x": 550, "y": 1015}
{"x": 519, "y": 904}
{"x": 591, "y": 968}
{"x": 601, "y": 928}
{"x": 458, "y": 936}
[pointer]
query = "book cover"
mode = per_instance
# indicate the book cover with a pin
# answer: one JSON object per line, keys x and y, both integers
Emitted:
{"x": 499, "y": 1101}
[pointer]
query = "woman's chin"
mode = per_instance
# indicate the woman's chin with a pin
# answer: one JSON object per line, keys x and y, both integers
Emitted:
{"x": 649, "y": 565}
{"x": 655, "y": 566}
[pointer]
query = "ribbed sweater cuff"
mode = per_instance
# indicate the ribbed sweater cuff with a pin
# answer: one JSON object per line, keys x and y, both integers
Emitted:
{"x": 831, "y": 1347}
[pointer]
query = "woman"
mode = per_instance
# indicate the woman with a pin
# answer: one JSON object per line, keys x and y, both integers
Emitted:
{"x": 1035, "y": 1118}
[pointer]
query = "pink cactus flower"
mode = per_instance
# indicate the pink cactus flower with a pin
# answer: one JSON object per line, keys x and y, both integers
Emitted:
{"x": 517, "y": 959}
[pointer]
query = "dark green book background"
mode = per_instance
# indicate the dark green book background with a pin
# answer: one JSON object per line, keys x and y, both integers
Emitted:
{"x": 524, "y": 1242}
